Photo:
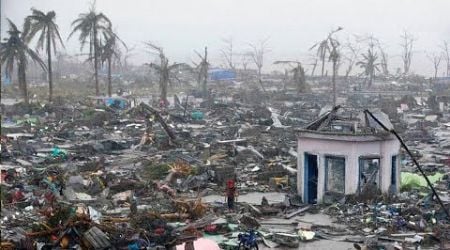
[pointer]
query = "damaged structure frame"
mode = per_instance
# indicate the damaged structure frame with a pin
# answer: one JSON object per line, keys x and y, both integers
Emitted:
{"x": 343, "y": 156}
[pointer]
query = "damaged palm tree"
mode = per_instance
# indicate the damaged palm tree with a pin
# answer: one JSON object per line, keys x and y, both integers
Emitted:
{"x": 384, "y": 60}
{"x": 322, "y": 50}
{"x": 335, "y": 57}
{"x": 15, "y": 50}
{"x": 109, "y": 51}
{"x": 257, "y": 55}
{"x": 298, "y": 75}
{"x": 228, "y": 53}
{"x": 178, "y": 169}
{"x": 324, "y": 47}
{"x": 38, "y": 21}
{"x": 351, "y": 56}
{"x": 314, "y": 65}
{"x": 369, "y": 63}
{"x": 331, "y": 46}
{"x": 407, "y": 46}
{"x": 164, "y": 70}
{"x": 92, "y": 26}
{"x": 202, "y": 70}
{"x": 446, "y": 54}
{"x": 435, "y": 58}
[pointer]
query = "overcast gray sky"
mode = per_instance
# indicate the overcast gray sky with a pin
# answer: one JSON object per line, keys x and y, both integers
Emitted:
{"x": 181, "y": 26}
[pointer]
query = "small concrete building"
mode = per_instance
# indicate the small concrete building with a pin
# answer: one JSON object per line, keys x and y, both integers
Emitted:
{"x": 343, "y": 153}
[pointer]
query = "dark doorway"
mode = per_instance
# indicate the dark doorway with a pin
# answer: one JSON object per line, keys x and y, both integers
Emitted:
{"x": 394, "y": 173}
{"x": 311, "y": 178}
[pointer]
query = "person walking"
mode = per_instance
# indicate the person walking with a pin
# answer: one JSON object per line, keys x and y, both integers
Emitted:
{"x": 231, "y": 194}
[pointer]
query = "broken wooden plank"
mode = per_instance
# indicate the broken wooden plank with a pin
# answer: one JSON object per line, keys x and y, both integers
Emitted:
{"x": 255, "y": 209}
{"x": 234, "y": 140}
{"x": 292, "y": 214}
{"x": 410, "y": 234}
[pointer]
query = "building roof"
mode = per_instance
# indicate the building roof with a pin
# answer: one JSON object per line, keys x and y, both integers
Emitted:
{"x": 340, "y": 121}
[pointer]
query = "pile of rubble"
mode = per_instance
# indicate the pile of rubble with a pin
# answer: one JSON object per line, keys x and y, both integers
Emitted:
{"x": 93, "y": 176}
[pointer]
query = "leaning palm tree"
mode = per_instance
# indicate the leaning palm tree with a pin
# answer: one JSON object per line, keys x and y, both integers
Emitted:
{"x": 14, "y": 50}
{"x": 108, "y": 52}
{"x": 92, "y": 27}
{"x": 322, "y": 50}
{"x": 370, "y": 65}
{"x": 164, "y": 70}
{"x": 37, "y": 22}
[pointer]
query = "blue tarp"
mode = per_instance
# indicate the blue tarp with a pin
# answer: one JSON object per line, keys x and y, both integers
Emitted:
{"x": 117, "y": 102}
{"x": 221, "y": 74}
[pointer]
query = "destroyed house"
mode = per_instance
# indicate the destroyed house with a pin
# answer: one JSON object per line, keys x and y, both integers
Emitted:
{"x": 344, "y": 153}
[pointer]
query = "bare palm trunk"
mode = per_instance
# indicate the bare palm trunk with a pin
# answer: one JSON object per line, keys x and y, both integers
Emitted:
{"x": 260, "y": 80}
{"x": 163, "y": 90}
{"x": 314, "y": 68}
{"x": 109, "y": 78}
{"x": 347, "y": 72}
{"x": 333, "y": 79}
{"x": 23, "y": 81}
{"x": 205, "y": 81}
{"x": 164, "y": 81}
{"x": 323, "y": 65}
{"x": 97, "y": 91}
{"x": 285, "y": 79}
{"x": 205, "y": 74}
{"x": 49, "y": 58}
{"x": 370, "y": 80}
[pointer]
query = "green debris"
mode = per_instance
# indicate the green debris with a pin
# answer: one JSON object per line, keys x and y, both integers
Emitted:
{"x": 30, "y": 120}
{"x": 155, "y": 171}
{"x": 197, "y": 115}
{"x": 233, "y": 227}
{"x": 58, "y": 153}
{"x": 410, "y": 180}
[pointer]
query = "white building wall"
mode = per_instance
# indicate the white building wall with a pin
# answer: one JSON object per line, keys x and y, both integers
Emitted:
{"x": 351, "y": 150}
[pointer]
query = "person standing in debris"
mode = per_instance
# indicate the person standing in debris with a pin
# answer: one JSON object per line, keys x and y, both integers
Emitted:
{"x": 231, "y": 194}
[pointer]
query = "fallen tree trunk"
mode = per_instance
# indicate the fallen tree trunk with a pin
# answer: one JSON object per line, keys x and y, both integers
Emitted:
{"x": 148, "y": 109}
